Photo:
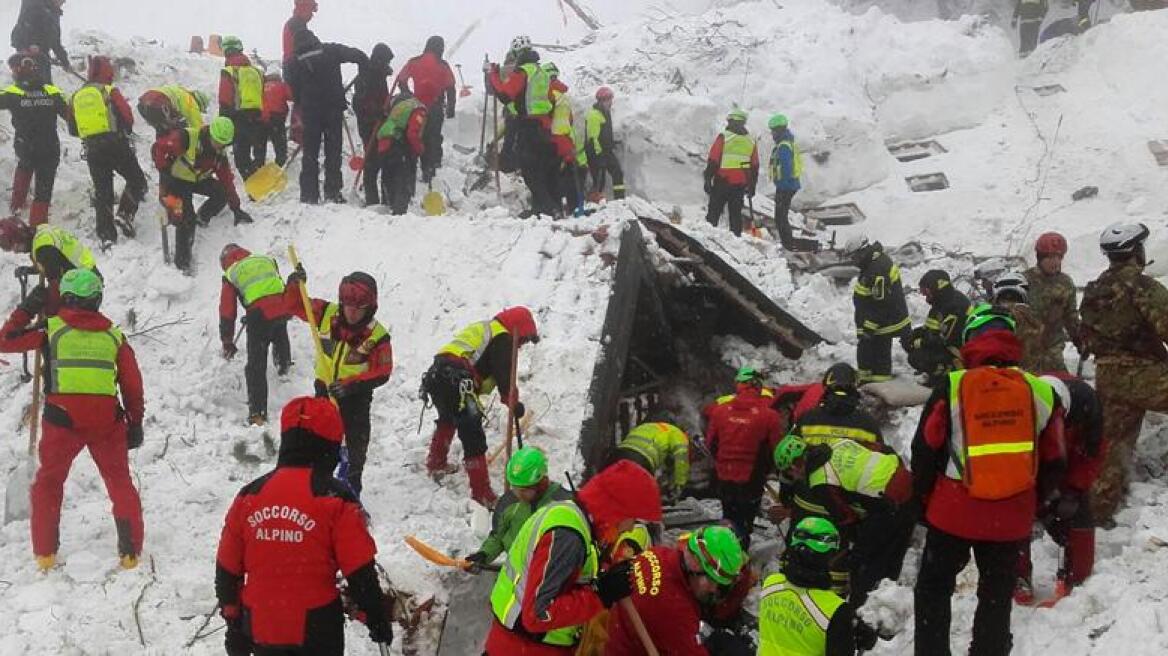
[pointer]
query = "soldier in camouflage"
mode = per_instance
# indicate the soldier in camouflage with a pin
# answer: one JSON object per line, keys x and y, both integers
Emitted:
{"x": 1125, "y": 326}
{"x": 1011, "y": 290}
{"x": 1052, "y": 300}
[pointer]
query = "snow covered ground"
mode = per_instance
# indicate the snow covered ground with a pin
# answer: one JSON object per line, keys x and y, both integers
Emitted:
{"x": 850, "y": 83}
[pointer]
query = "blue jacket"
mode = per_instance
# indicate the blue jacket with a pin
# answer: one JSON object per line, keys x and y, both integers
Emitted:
{"x": 786, "y": 159}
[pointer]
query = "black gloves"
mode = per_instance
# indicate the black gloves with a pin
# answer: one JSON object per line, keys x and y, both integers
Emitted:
{"x": 237, "y": 642}
{"x": 298, "y": 275}
{"x": 241, "y": 216}
{"x": 614, "y": 584}
{"x": 708, "y": 186}
{"x": 134, "y": 436}
{"x": 476, "y": 560}
{"x": 865, "y": 635}
{"x": 229, "y": 350}
{"x": 520, "y": 410}
{"x": 381, "y": 631}
{"x": 339, "y": 390}
{"x": 450, "y": 112}
{"x": 750, "y": 191}
{"x": 34, "y": 302}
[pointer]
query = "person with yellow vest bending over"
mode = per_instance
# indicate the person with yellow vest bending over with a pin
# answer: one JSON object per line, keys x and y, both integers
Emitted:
{"x": 255, "y": 282}
{"x": 551, "y": 583}
{"x": 103, "y": 119}
{"x": 662, "y": 450}
{"x": 400, "y": 146}
{"x": 798, "y": 613}
{"x": 881, "y": 312}
{"x": 357, "y": 357}
{"x": 241, "y": 99}
{"x": 989, "y": 451}
{"x": 173, "y": 107}
{"x": 839, "y": 414}
{"x": 731, "y": 171}
{"x": 475, "y": 362}
{"x": 55, "y": 251}
{"x": 88, "y": 362}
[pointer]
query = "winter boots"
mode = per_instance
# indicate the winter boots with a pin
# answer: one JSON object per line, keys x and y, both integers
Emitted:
{"x": 46, "y": 563}
{"x": 436, "y": 463}
{"x": 480, "y": 481}
{"x": 1080, "y": 554}
{"x": 38, "y": 213}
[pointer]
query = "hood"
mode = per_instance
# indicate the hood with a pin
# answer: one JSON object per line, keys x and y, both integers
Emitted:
{"x": 84, "y": 319}
{"x": 622, "y": 491}
{"x": 993, "y": 347}
{"x": 310, "y": 433}
{"x": 380, "y": 56}
{"x": 101, "y": 70}
{"x": 435, "y": 45}
{"x": 236, "y": 59}
{"x": 528, "y": 56}
{"x": 519, "y": 322}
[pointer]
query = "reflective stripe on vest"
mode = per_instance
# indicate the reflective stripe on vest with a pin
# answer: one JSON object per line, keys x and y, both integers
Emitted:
{"x": 471, "y": 342}
{"x": 796, "y": 161}
{"x": 736, "y": 151}
{"x": 340, "y": 360}
{"x": 536, "y": 100}
{"x": 648, "y": 440}
{"x": 83, "y": 361}
{"x": 256, "y": 277}
{"x": 511, "y": 583}
{"x": 184, "y": 103}
{"x": 793, "y": 621}
{"x": 395, "y": 124}
{"x": 65, "y": 243}
{"x": 184, "y": 167}
{"x": 91, "y": 110}
{"x": 49, "y": 90}
{"x": 857, "y": 469}
{"x": 830, "y": 434}
{"x": 249, "y": 86}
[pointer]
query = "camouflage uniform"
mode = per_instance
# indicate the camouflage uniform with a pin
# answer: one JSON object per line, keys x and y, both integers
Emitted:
{"x": 1125, "y": 325}
{"x": 1029, "y": 331}
{"x": 1052, "y": 300}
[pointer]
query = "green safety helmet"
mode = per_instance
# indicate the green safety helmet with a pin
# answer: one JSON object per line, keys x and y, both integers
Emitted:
{"x": 736, "y": 115}
{"x": 718, "y": 551}
{"x": 778, "y": 121}
{"x": 527, "y": 467}
{"x": 986, "y": 316}
{"x": 789, "y": 450}
{"x": 202, "y": 100}
{"x": 816, "y": 534}
{"x": 80, "y": 283}
{"x": 747, "y": 375}
{"x": 231, "y": 44}
{"x": 222, "y": 130}
{"x": 551, "y": 69}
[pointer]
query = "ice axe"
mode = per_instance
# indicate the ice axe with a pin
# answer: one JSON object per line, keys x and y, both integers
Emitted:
{"x": 465, "y": 90}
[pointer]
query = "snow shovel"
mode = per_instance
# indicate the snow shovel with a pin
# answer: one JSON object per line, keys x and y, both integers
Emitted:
{"x": 433, "y": 203}
{"x": 269, "y": 179}
{"x": 356, "y": 160}
{"x": 308, "y": 314}
{"x": 16, "y": 494}
{"x": 438, "y": 558}
{"x": 465, "y": 90}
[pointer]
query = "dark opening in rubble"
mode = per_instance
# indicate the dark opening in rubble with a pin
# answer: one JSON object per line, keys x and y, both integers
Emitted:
{"x": 835, "y": 215}
{"x": 910, "y": 151}
{"x": 927, "y": 182}
{"x": 1049, "y": 89}
{"x": 1159, "y": 148}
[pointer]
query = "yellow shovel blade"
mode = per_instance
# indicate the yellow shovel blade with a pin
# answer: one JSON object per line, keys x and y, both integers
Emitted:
{"x": 268, "y": 180}
{"x": 433, "y": 203}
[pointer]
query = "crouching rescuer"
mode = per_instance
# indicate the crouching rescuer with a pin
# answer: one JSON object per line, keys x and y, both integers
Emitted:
{"x": 286, "y": 536}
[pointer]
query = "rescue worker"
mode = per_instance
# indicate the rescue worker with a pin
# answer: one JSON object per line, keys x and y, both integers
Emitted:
{"x": 507, "y": 159}
{"x": 881, "y": 312}
{"x": 786, "y": 169}
{"x": 357, "y": 356}
{"x": 400, "y": 144}
{"x": 1011, "y": 291}
{"x": 1125, "y": 326}
{"x": 475, "y": 362}
{"x": 799, "y": 613}
{"x": 527, "y": 473}
{"x": 569, "y": 147}
{"x": 173, "y": 107}
{"x": 731, "y": 171}
{"x": 600, "y": 147}
{"x": 371, "y": 95}
{"x": 662, "y": 450}
{"x": 87, "y": 363}
{"x": 741, "y": 435}
{"x": 274, "y": 120}
{"x": 255, "y": 282}
{"x": 748, "y": 385}
{"x": 315, "y": 77}
{"x": 35, "y": 108}
{"x": 192, "y": 162}
{"x": 302, "y": 13}
{"x": 839, "y": 415}
{"x": 104, "y": 121}
{"x": 241, "y": 99}
{"x": 934, "y": 349}
{"x": 1068, "y": 518}
{"x": 284, "y": 539}
{"x": 672, "y": 585}
{"x": 54, "y": 252}
{"x": 989, "y": 445}
{"x": 863, "y": 492}
{"x": 38, "y": 31}
{"x": 551, "y": 583}
{"x": 529, "y": 88}
{"x": 1052, "y": 298}
{"x": 1028, "y": 17}
{"x": 429, "y": 78}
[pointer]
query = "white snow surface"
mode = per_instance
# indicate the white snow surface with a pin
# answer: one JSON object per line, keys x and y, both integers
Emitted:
{"x": 850, "y": 83}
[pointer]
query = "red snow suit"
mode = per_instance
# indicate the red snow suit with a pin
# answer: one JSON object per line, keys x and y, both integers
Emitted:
{"x": 669, "y": 610}
{"x": 742, "y": 433}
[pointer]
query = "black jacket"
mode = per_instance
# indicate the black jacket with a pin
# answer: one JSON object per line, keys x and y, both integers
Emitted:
{"x": 39, "y": 24}
{"x": 947, "y": 315}
{"x": 878, "y": 297}
{"x": 35, "y": 109}
{"x": 315, "y": 73}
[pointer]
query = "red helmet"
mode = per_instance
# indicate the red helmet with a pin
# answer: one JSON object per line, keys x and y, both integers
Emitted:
{"x": 101, "y": 69}
{"x": 231, "y": 254}
{"x": 604, "y": 93}
{"x": 318, "y": 416}
{"x": 1050, "y": 243}
{"x": 518, "y": 321}
{"x": 358, "y": 289}
{"x": 15, "y": 235}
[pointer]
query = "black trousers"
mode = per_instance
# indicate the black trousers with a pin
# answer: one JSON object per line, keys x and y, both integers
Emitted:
{"x": 275, "y": 130}
{"x": 881, "y": 541}
{"x": 249, "y": 141}
{"x": 321, "y": 129}
{"x": 874, "y": 355}
{"x": 432, "y": 139}
{"x": 944, "y": 557}
{"x": 106, "y": 155}
{"x": 184, "y": 240}
{"x": 444, "y": 384}
{"x": 569, "y": 186}
{"x": 355, "y": 417}
{"x": 604, "y": 163}
{"x": 400, "y": 175}
{"x": 740, "y": 510}
{"x": 42, "y": 163}
{"x": 537, "y": 163}
{"x": 722, "y": 196}
{"x": 262, "y": 334}
{"x": 782, "y": 216}
{"x": 508, "y": 160}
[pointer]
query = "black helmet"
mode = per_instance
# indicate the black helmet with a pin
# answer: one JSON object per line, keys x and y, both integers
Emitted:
{"x": 934, "y": 280}
{"x": 840, "y": 379}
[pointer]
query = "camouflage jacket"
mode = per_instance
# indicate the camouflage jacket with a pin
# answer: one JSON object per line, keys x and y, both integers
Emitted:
{"x": 1052, "y": 300}
{"x": 1126, "y": 313}
{"x": 1029, "y": 331}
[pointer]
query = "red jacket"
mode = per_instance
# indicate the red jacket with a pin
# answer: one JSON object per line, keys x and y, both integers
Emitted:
{"x": 380, "y": 358}
{"x": 741, "y": 434}
{"x": 663, "y": 599}
{"x": 414, "y": 128}
{"x": 298, "y": 21}
{"x": 949, "y": 507}
{"x": 277, "y": 95}
{"x": 227, "y": 84}
{"x": 514, "y": 90}
{"x": 1083, "y": 432}
{"x": 285, "y": 537}
{"x": 431, "y": 76}
{"x": 733, "y": 177}
{"x": 173, "y": 145}
{"x": 86, "y": 411}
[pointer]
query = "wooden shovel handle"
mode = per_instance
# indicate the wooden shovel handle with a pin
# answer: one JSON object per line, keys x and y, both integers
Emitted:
{"x": 627, "y": 606}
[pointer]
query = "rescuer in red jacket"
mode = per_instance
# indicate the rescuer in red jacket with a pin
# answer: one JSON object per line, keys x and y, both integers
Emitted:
{"x": 392, "y": 169}
{"x": 731, "y": 171}
{"x": 286, "y": 536}
{"x": 433, "y": 85}
{"x": 274, "y": 118}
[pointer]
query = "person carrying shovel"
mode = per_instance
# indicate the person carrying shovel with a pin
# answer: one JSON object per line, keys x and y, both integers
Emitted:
{"x": 399, "y": 146}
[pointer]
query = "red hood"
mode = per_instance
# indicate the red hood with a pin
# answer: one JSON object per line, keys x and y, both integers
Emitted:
{"x": 1000, "y": 347}
{"x": 622, "y": 491}
{"x": 236, "y": 59}
{"x": 84, "y": 319}
{"x": 558, "y": 85}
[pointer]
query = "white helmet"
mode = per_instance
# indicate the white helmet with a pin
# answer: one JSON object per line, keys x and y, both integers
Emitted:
{"x": 1012, "y": 282}
{"x": 520, "y": 42}
{"x": 856, "y": 242}
{"x": 1123, "y": 237}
